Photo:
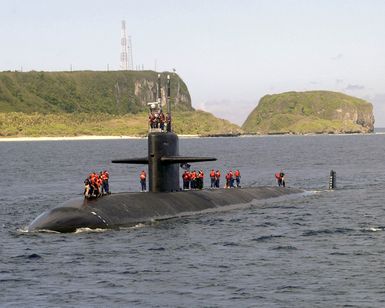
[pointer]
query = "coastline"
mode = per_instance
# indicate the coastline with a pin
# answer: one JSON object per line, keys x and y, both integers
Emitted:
{"x": 17, "y": 139}
{"x": 77, "y": 138}
{"x": 88, "y": 137}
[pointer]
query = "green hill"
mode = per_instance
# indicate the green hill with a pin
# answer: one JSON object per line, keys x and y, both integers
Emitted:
{"x": 310, "y": 112}
{"x": 116, "y": 92}
{"x": 95, "y": 103}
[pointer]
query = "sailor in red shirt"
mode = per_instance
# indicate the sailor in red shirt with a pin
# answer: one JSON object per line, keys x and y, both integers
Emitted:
{"x": 212, "y": 178}
{"x": 186, "y": 179}
{"x": 217, "y": 178}
{"x": 193, "y": 180}
{"x": 237, "y": 175}
{"x": 142, "y": 178}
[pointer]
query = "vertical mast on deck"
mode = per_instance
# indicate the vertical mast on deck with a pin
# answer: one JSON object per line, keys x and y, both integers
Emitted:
{"x": 169, "y": 129}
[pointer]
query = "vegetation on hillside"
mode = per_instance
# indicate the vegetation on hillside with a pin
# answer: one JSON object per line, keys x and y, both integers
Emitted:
{"x": 310, "y": 112}
{"x": 17, "y": 124}
{"x": 115, "y": 92}
{"x": 95, "y": 103}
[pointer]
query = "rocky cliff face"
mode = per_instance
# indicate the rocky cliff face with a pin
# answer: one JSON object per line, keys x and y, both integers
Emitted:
{"x": 117, "y": 92}
{"x": 310, "y": 112}
{"x": 146, "y": 91}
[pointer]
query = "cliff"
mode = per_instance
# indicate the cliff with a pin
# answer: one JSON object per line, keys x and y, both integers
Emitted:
{"x": 116, "y": 92}
{"x": 310, "y": 112}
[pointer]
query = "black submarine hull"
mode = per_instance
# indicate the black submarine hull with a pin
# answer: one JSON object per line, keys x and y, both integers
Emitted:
{"x": 129, "y": 209}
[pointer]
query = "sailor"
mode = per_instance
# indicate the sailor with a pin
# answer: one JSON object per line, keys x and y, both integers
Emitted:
{"x": 100, "y": 186}
{"x": 231, "y": 175}
{"x": 200, "y": 178}
{"x": 162, "y": 119}
{"x": 193, "y": 180}
{"x": 186, "y": 179}
{"x": 90, "y": 185}
{"x": 151, "y": 119}
{"x": 168, "y": 122}
{"x": 156, "y": 120}
{"x": 105, "y": 178}
{"x": 142, "y": 178}
{"x": 237, "y": 175}
{"x": 94, "y": 186}
{"x": 101, "y": 176}
{"x": 217, "y": 178}
{"x": 227, "y": 177}
{"x": 87, "y": 188}
{"x": 280, "y": 176}
{"x": 212, "y": 178}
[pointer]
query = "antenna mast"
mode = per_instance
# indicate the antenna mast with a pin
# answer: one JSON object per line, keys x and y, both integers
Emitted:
{"x": 130, "y": 63}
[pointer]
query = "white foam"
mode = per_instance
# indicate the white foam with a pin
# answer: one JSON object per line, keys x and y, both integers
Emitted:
{"x": 89, "y": 230}
{"x": 22, "y": 230}
{"x": 372, "y": 229}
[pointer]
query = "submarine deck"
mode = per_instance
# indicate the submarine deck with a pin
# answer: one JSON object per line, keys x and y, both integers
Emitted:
{"x": 130, "y": 208}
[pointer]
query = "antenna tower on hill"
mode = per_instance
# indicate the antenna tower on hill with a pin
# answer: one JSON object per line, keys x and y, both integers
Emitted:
{"x": 126, "y": 62}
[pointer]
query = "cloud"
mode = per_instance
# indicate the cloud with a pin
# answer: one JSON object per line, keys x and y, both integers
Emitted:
{"x": 337, "y": 57}
{"x": 354, "y": 87}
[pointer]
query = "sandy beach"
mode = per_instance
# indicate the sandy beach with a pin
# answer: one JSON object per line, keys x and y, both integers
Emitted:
{"x": 13, "y": 139}
{"x": 18, "y": 139}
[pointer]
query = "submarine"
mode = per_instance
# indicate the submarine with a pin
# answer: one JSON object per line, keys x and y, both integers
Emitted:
{"x": 164, "y": 200}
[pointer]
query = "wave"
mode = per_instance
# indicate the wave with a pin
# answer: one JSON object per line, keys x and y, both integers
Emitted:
{"x": 288, "y": 247}
{"x": 327, "y": 231}
{"x": 265, "y": 238}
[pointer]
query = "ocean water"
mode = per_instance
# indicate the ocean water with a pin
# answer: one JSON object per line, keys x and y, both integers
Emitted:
{"x": 321, "y": 249}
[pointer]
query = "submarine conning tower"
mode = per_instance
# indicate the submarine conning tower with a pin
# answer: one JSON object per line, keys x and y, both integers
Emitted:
{"x": 163, "y": 152}
{"x": 163, "y": 175}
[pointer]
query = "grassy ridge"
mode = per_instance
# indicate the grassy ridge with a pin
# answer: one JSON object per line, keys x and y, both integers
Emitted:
{"x": 17, "y": 124}
{"x": 115, "y": 92}
{"x": 310, "y": 112}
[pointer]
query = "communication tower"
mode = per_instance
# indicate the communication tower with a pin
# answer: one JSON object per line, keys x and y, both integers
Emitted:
{"x": 129, "y": 58}
{"x": 126, "y": 62}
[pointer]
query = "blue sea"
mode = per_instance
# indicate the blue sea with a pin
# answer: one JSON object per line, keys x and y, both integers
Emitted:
{"x": 320, "y": 249}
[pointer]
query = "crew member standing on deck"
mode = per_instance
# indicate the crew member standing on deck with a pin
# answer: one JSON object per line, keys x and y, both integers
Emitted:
{"x": 106, "y": 186}
{"x": 162, "y": 120}
{"x": 142, "y": 178}
{"x": 212, "y": 178}
{"x": 227, "y": 177}
{"x": 186, "y": 179}
{"x": 237, "y": 175}
{"x": 200, "y": 177}
{"x": 231, "y": 175}
{"x": 217, "y": 178}
{"x": 168, "y": 122}
{"x": 280, "y": 176}
{"x": 193, "y": 179}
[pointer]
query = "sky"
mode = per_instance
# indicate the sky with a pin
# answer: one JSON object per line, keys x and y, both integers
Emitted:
{"x": 229, "y": 53}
